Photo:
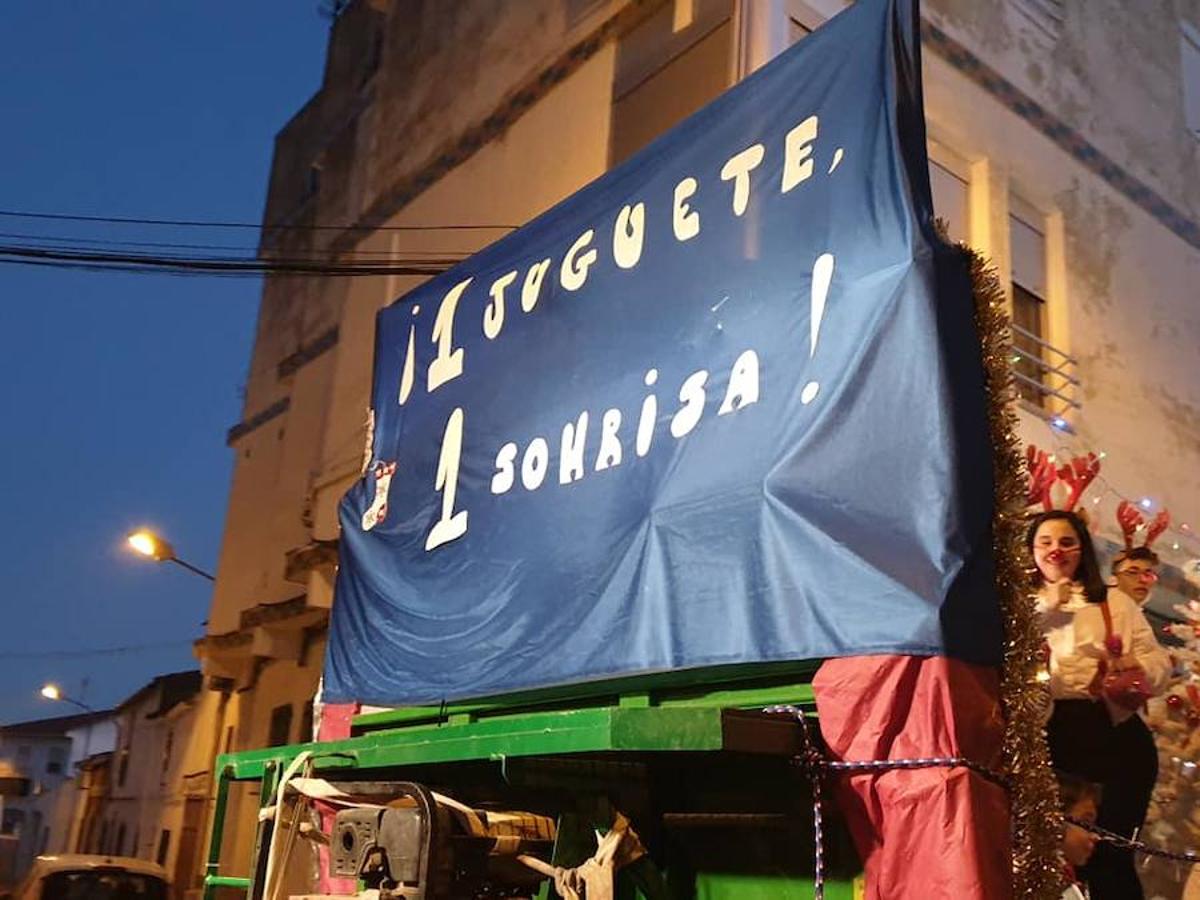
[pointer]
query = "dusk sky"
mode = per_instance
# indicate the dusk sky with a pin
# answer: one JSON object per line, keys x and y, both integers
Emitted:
{"x": 116, "y": 390}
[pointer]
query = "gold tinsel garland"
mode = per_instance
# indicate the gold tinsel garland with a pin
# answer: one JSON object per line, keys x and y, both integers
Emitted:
{"x": 1037, "y": 822}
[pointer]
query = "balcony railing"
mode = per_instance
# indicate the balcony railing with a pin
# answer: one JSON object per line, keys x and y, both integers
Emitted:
{"x": 1047, "y": 378}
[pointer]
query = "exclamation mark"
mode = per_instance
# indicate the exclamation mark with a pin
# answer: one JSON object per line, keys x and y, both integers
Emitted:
{"x": 410, "y": 357}
{"x": 821, "y": 276}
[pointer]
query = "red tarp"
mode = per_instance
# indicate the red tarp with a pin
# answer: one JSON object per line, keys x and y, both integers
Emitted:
{"x": 930, "y": 833}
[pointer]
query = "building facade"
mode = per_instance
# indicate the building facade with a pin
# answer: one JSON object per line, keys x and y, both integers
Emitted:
{"x": 439, "y": 127}
{"x": 44, "y": 754}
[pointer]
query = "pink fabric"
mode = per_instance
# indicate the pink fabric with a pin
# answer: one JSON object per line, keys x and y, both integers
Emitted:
{"x": 924, "y": 834}
{"x": 336, "y": 719}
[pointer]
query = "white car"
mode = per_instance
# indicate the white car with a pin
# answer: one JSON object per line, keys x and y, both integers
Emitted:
{"x": 80, "y": 876}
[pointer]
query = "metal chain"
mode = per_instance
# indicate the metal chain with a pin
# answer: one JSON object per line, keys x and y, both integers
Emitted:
{"x": 813, "y": 760}
{"x": 1124, "y": 843}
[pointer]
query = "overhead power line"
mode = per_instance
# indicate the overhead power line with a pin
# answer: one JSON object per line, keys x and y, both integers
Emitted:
{"x": 78, "y": 652}
{"x": 55, "y": 257}
{"x": 201, "y": 223}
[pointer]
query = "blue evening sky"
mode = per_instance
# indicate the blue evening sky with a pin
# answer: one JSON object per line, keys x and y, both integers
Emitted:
{"x": 116, "y": 390}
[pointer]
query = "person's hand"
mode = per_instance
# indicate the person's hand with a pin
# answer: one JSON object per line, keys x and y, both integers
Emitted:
{"x": 1059, "y": 593}
{"x": 1128, "y": 661}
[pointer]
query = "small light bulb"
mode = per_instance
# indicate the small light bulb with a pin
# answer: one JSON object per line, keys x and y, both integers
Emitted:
{"x": 1059, "y": 422}
{"x": 1175, "y": 546}
{"x": 1095, "y": 500}
{"x": 1146, "y": 504}
{"x": 1102, "y": 454}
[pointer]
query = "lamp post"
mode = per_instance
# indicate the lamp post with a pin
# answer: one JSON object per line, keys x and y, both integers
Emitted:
{"x": 146, "y": 543}
{"x": 52, "y": 691}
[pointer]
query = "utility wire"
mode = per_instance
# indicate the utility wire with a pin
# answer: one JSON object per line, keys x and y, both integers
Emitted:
{"x": 197, "y": 223}
{"x": 65, "y": 653}
{"x": 136, "y": 262}
{"x": 87, "y": 243}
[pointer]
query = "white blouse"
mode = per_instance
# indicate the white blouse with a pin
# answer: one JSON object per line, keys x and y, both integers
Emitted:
{"x": 1076, "y": 635}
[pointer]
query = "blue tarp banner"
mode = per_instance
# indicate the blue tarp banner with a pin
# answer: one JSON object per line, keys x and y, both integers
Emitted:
{"x": 723, "y": 405}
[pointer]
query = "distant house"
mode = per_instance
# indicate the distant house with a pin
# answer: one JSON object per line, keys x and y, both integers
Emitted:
{"x": 150, "y": 799}
{"x": 38, "y": 760}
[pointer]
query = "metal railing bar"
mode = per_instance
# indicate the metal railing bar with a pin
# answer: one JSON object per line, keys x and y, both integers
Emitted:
{"x": 1043, "y": 389}
{"x": 1018, "y": 330}
{"x": 1046, "y": 367}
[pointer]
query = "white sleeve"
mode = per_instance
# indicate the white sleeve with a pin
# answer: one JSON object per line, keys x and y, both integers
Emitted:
{"x": 1153, "y": 658}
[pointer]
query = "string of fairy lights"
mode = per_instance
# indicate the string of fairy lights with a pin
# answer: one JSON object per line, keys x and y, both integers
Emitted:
{"x": 1180, "y": 536}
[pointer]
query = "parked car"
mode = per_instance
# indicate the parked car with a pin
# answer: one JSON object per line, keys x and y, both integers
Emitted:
{"x": 80, "y": 876}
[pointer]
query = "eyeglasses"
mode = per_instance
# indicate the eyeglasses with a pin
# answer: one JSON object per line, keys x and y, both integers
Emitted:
{"x": 1146, "y": 576}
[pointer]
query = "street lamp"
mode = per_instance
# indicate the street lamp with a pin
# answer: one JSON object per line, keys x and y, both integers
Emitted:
{"x": 54, "y": 692}
{"x": 146, "y": 543}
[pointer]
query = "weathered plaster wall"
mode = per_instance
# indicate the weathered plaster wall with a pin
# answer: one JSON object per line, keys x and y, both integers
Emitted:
{"x": 1113, "y": 74}
{"x": 1128, "y": 311}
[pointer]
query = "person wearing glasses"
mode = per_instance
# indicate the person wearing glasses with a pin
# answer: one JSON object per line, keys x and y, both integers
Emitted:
{"x": 1103, "y": 664}
{"x": 1136, "y": 572}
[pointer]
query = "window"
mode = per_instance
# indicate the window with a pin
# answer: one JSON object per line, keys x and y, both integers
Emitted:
{"x": 1044, "y": 19}
{"x": 1027, "y": 242}
{"x": 107, "y": 882}
{"x": 1189, "y": 47}
{"x": 312, "y": 182}
{"x": 664, "y": 75}
{"x": 281, "y": 725}
{"x": 119, "y": 850}
{"x": 803, "y": 20}
{"x": 12, "y": 822}
{"x": 948, "y": 179}
{"x": 164, "y": 846}
{"x": 168, "y": 747}
{"x": 306, "y": 723}
{"x": 56, "y": 761}
{"x": 123, "y": 767}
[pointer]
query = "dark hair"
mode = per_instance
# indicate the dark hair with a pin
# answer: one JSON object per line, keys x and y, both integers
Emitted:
{"x": 1088, "y": 573}
{"x": 1145, "y": 554}
{"x": 1072, "y": 788}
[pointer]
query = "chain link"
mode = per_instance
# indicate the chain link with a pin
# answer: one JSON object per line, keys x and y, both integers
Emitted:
{"x": 813, "y": 760}
{"x": 1124, "y": 843}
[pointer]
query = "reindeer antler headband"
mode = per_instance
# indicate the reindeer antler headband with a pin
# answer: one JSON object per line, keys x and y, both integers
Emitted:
{"x": 1075, "y": 476}
{"x": 1131, "y": 521}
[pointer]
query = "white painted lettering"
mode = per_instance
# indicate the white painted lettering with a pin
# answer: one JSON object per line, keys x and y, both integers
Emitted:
{"x": 493, "y": 313}
{"x": 684, "y": 219}
{"x": 797, "y": 154}
{"x": 738, "y": 170}
{"x": 570, "y": 457}
{"x": 575, "y": 264}
{"x": 691, "y": 395}
{"x": 743, "y": 384}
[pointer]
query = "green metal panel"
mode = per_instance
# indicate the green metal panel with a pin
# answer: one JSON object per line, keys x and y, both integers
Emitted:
{"x": 211, "y": 879}
{"x": 540, "y": 734}
{"x": 725, "y": 886}
{"x": 741, "y": 686}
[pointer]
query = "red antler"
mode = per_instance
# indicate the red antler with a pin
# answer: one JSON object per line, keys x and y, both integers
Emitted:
{"x": 1157, "y": 526}
{"x": 1129, "y": 519}
{"x": 1079, "y": 473}
{"x": 1041, "y": 477}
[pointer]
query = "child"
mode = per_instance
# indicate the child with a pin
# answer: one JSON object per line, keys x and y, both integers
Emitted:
{"x": 1080, "y": 801}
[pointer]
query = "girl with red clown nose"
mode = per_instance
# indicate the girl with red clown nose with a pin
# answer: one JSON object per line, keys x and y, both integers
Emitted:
{"x": 1104, "y": 663}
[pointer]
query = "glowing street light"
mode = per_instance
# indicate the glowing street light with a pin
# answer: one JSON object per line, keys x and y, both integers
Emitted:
{"x": 54, "y": 692}
{"x": 146, "y": 543}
